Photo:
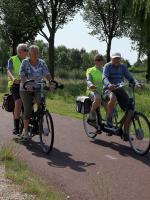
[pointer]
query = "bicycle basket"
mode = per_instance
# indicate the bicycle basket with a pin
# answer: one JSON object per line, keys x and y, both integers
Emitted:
{"x": 8, "y": 103}
{"x": 83, "y": 104}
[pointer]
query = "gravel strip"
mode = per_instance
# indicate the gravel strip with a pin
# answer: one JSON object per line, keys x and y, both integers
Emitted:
{"x": 10, "y": 191}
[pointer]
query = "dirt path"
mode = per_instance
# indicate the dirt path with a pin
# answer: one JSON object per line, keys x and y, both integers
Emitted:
{"x": 101, "y": 169}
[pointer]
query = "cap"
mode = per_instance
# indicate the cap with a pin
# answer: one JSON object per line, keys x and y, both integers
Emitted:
{"x": 116, "y": 55}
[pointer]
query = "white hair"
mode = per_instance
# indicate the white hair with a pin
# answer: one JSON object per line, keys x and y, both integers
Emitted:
{"x": 20, "y": 46}
{"x": 34, "y": 47}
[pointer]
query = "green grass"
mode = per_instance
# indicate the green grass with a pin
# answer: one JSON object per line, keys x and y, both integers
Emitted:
{"x": 63, "y": 108}
{"x": 64, "y": 101}
{"x": 18, "y": 172}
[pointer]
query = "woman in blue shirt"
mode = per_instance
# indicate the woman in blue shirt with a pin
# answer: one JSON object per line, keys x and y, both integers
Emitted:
{"x": 36, "y": 69}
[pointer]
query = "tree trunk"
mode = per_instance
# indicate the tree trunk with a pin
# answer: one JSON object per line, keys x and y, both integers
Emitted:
{"x": 148, "y": 67}
{"x": 14, "y": 46}
{"x": 108, "y": 49}
{"x": 51, "y": 51}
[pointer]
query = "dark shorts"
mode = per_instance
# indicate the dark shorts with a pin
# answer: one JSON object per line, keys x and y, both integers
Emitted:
{"x": 15, "y": 91}
{"x": 121, "y": 96}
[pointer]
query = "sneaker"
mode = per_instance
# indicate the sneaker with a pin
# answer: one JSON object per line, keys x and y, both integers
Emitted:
{"x": 15, "y": 132}
{"x": 25, "y": 135}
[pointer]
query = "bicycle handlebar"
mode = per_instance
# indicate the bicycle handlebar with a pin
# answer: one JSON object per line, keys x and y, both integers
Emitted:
{"x": 54, "y": 83}
{"x": 132, "y": 85}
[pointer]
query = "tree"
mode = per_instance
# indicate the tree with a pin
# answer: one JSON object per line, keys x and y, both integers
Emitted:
{"x": 17, "y": 23}
{"x": 55, "y": 14}
{"x": 140, "y": 33}
{"x": 62, "y": 57}
{"x": 106, "y": 20}
{"x": 76, "y": 60}
{"x": 43, "y": 48}
{"x": 4, "y": 54}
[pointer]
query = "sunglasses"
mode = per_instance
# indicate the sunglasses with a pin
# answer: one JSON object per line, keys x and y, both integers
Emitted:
{"x": 25, "y": 50}
{"x": 98, "y": 60}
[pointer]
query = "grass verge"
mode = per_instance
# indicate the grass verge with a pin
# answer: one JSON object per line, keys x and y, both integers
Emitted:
{"x": 18, "y": 172}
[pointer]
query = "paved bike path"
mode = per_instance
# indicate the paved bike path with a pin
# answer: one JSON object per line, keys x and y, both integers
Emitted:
{"x": 85, "y": 169}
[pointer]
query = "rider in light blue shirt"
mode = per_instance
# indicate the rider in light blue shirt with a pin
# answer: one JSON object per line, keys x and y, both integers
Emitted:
{"x": 114, "y": 72}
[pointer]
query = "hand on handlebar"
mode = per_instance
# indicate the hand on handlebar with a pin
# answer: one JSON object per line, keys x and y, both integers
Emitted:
{"x": 93, "y": 87}
{"x": 29, "y": 88}
{"x": 16, "y": 81}
{"x": 112, "y": 87}
{"x": 139, "y": 85}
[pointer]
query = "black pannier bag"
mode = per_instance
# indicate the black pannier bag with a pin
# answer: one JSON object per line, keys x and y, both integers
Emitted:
{"x": 8, "y": 103}
{"x": 83, "y": 104}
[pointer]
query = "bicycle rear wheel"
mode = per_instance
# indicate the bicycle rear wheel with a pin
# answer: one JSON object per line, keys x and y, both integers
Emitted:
{"x": 46, "y": 132}
{"x": 139, "y": 134}
{"x": 90, "y": 130}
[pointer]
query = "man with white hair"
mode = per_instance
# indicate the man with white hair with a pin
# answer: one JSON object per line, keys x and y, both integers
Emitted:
{"x": 13, "y": 68}
{"x": 114, "y": 73}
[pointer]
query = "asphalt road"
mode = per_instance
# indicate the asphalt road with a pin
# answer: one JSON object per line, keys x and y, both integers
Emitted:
{"x": 84, "y": 169}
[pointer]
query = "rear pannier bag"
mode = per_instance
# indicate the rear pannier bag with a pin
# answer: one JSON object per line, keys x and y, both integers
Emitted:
{"x": 8, "y": 103}
{"x": 83, "y": 104}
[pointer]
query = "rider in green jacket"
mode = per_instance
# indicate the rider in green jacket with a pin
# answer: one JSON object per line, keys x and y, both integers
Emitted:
{"x": 94, "y": 85}
{"x": 13, "y": 68}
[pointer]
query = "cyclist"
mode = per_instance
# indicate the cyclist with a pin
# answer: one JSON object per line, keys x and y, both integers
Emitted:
{"x": 36, "y": 69}
{"x": 94, "y": 85}
{"x": 114, "y": 73}
{"x": 13, "y": 81}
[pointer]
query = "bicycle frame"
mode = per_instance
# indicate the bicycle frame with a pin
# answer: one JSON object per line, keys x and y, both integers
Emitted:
{"x": 117, "y": 128}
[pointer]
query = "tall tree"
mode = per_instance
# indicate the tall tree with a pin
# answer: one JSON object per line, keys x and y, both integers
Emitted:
{"x": 17, "y": 23}
{"x": 105, "y": 20}
{"x": 55, "y": 13}
{"x": 140, "y": 32}
{"x": 4, "y": 54}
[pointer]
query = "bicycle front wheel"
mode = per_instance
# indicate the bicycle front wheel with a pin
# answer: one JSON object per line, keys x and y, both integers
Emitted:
{"x": 139, "y": 134}
{"x": 46, "y": 132}
{"x": 90, "y": 130}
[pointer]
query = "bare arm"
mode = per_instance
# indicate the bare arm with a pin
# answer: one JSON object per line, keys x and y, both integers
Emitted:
{"x": 48, "y": 77}
{"x": 10, "y": 74}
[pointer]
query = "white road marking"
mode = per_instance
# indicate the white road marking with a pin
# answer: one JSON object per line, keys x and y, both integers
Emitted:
{"x": 111, "y": 157}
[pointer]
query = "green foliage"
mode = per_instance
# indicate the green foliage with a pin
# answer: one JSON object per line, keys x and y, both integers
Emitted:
{"x": 72, "y": 74}
{"x": 6, "y": 154}
{"x": 74, "y": 60}
{"x": 4, "y": 54}
{"x": 140, "y": 29}
{"x": 140, "y": 24}
{"x": 72, "y": 88}
{"x": 105, "y": 20}
{"x": 43, "y": 48}
{"x": 55, "y": 14}
{"x": 18, "y": 23}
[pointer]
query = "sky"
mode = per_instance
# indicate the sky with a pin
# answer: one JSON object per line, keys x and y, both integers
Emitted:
{"x": 75, "y": 34}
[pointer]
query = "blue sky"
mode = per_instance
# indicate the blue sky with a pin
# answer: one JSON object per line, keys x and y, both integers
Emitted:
{"x": 75, "y": 35}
